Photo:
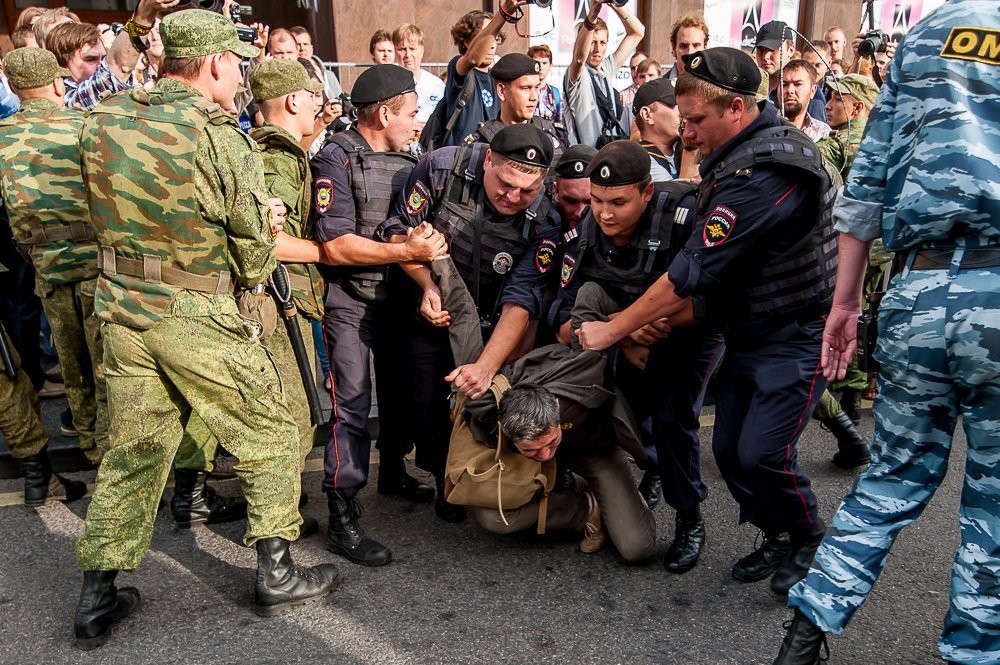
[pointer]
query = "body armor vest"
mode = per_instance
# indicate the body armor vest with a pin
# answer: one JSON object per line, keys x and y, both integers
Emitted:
{"x": 145, "y": 203}
{"x": 800, "y": 279}
{"x": 378, "y": 178}
{"x": 655, "y": 245}
{"x": 484, "y": 250}
{"x": 487, "y": 130}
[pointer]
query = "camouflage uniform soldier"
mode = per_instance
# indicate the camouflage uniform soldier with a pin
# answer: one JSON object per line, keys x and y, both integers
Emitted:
{"x": 927, "y": 178}
{"x": 847, "y": 111}
{"x": 43, "y": 188}
{"x": 177, "y": 194}
{"x": 285, "y": 95}
{"x": 21, "y": 426}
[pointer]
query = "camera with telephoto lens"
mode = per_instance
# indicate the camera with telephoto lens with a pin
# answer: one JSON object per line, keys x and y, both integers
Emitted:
{"x": 237, "y": 13}
{"x": 875, "y": 41}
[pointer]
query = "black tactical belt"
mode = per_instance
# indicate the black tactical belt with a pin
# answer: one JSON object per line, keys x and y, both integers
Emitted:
{"x": 940, "y": 259}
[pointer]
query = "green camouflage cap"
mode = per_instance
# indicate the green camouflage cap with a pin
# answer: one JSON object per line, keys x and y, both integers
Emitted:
{"x": 196, "y": 32}
{"x": 860, "y": 87}
{"x": 277, "y": 78}
{"x": 31, "y": 67}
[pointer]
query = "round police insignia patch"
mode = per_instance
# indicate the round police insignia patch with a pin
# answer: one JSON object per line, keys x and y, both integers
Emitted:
{"x": 695, "y": 62}
{"x": 324, "y": 194}
{"x": 718, "y": 226}
{"x": 578, "y": 167}
{"x": 545, "y": 256}
{"x": 531, "y": 154}
{"x": 568, "y": 266}
{"x": 502, "y": 263}
{"x": 605, "y": 171}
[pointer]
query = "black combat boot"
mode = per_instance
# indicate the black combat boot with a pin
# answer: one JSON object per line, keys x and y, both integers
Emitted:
{"x": 802, "y": 550}
{"x": 195, "y": 502}
{"x": 42, "y": 486}
{"x": 850, "y": 402}
{"x": 651, "y": 488}
{"x": 852, "y": 450}
{"x": 281, "y": 585}
{"x": 393, "y": 480}
{"x": 803, "y": 643}
{"x": 763, "y": 561}
{"x": 449, "y": 512}
{"x": 101, "y": 604}
{"x": 346, "y": 537}
{"x": 689, "y": 539}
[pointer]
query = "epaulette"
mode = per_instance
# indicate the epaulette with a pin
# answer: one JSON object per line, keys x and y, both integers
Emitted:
{"x": 570, "y": 236}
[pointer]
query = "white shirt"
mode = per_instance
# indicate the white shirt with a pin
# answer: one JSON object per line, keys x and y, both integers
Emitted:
{"x": 430, "y": 90}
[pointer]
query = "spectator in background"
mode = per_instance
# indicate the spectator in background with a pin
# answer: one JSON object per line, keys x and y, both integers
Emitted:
{"x": 381, "y": 49}
{"x": 839, "y": 67}
{"x": 688, "y": 34}
{"x": 23, "y": 36}
{"x": 628, "y": 94}
{"x": 281, "y": 45}
{"x": 819, "y": 58}
{"x": 646, "y": 71}
{"x": 49, "y": 19}
{"x": 593, "y": 104}
{"x": 798, "y": 84}
{"x": 27, "y": 18}
{"x": 774, "y": 49}
{"x": 837, "y": 40}
{"x": 549, "y": 96}
{"x": 409, "y": 42}
{"x": 304, "y": 43}
{"x": 658, "y": 122}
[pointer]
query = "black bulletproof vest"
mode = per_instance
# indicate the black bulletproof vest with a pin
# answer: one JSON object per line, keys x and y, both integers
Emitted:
{"x": 378, "y": 178}
{"x": 667, "y": 229}
{"x": 800, "y": 279}
{"x": 483, "y": 250}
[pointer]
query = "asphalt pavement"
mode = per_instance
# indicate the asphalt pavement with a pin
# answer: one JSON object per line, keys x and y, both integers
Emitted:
{"x": 457, "y": 594}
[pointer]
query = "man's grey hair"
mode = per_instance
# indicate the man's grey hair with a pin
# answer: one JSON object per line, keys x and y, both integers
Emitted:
{"x": 527, "y": 412}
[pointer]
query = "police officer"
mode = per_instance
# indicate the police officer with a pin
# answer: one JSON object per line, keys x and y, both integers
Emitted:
{"x": 180, "y": 218}
{"x": 938, "y": 326}
{"x": 571, "y": 189}
{"x": 762, "y": 222}
{"x": 51, "y": 222}
{"x": 517, "y": 80}
{"x": 621, "y": 247}
{"x": 355, "y": 179}
{"x": 490, "y": 201}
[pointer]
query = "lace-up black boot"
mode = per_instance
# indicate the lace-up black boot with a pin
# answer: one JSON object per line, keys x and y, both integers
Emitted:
{"x": 346, "y": 537}
{"x": 101, "y": 604}
{"x": 281, "y": 585}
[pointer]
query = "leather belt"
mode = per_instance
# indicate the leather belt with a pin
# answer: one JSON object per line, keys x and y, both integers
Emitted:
{"x": 940, "y": 259}
{"x": 150, "y": 269}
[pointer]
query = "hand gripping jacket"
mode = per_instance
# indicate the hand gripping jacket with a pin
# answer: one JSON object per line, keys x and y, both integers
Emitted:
{"x": 378, "y": 179}
{"x": 286, "y": 159}
{"x": 476, "y": 246}
{"x": 657, "y": 243}
{"x": 153, "y": 241}
{"x": 487, "y": 130}
{"x": 800, "y": 280}
{"x": 42, "y": 185}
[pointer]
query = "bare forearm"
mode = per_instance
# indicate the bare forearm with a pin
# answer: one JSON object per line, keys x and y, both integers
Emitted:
{"x": 354, "y": 250}
{"x": 852, "y": 263}
{"x": 634, "y": 32}
{"x": 658, "y": 302}
{"x": 290, "y": 249}
{"x": 419, "y": 273}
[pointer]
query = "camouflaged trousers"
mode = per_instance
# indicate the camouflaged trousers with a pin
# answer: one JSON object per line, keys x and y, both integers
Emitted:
{"x": 76, "y": 334}
{"x": 215, "y": 366}
{"x": 939, "y": 348}
{"x": 19, "y": 418}
{"x": 197, "y": 449}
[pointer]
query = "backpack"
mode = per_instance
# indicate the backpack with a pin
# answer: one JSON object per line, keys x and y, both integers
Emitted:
{"x": 440, "y": 125}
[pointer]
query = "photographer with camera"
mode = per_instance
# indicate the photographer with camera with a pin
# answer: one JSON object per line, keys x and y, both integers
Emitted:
{"x": 594, "y": 108}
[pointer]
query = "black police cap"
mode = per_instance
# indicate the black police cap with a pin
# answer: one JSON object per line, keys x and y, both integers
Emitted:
{"x": 513, "y": 66}
{"x": 381, "y": 82}
{"x": 619, "y": 163}
{"x": 574, "y": 161}
{"x": 657, "y": 90}
{"x": 728, "y": 68}
{"x": 772, "y": 34}
{"x": 523, "y": 143}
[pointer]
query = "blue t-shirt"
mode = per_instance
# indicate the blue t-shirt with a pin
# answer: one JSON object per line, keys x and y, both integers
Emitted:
{"x": 483, "y": 104}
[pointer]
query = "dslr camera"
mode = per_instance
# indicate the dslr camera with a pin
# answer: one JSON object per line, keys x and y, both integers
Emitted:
{"x": 874, "y": 42}
{"x": 237, "y": 13}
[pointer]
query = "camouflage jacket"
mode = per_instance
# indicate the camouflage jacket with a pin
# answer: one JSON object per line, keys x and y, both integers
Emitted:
{"x": 42, "y": 185}
{"x": 178, "y": 198}
{"x": 840, "y": 147}
{"x": 287, "y": 176}
{"x": 927, "y": 169}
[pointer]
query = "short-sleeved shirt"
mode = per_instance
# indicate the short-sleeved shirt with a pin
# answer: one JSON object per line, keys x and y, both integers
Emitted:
{"x": 430, "y": 91}
{"x": 483, "y": 104}
{"x": 583, "y": 116}
{"x": 526, "y": 281}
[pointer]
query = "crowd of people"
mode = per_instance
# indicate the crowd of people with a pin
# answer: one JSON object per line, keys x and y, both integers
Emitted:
{"x": 540, "y": 282}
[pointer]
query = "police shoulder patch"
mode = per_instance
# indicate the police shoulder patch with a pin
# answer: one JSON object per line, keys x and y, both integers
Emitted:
{"x": 718, "y": 226}
{"x": 546, "y": 255}
{"x": 978, "y": 44}
{"x": 417, "y": 199}
{"x": 568, "y": 268}
{"x": 323, "y": 194}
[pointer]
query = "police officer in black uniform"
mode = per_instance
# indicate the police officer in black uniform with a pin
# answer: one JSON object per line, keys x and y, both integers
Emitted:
{"x": 760, "y": 262}
{"x": 624, "y": 244}
{"x": 491, "y": 204}
{"x": 517, "y": 84}
{"x": 355, "y": 178}
{"x": 571, "y": 189}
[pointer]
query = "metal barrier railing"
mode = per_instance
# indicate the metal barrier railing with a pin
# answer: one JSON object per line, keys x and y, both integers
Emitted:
{"x": 348, "y": 72}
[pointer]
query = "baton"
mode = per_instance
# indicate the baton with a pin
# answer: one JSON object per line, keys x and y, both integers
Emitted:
{"x": 282, "y": 292}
